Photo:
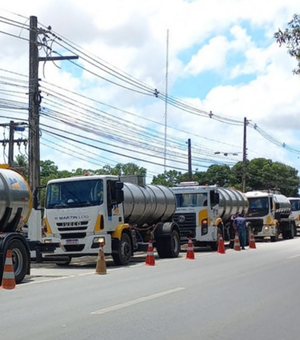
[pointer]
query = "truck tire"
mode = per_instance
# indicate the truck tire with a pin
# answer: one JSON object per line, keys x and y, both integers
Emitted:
{"x": 20, "y": 259}
{"x": 168, "y": 247}
{"x": 292, "y": 231}
{"x": 214, "y": 245}
{"x": 285, "y": 234}
{"x": 275, "y": 238}
{"x": 65, "y": 262}
{"x": 123, "y": 254}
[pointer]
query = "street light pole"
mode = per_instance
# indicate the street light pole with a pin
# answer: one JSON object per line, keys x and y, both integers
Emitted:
{"x": 190, "y": 160}
{"x": 244, "y": 156}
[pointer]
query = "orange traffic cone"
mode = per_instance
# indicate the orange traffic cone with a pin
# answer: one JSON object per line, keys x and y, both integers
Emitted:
{"x": 190, "y": 250}
{"x": 8, "y": 279}
{"x": 221, "y": 247}
{"x": 237, "y": 245}
{"x": 101, "y": 265}
{"x": 150, "y": 260}
{"x": 252, "y": 242}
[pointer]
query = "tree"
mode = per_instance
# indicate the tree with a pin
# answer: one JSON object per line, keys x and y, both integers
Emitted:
{"x": 168, "y": 178}
{"x": 291, "y": 38}
{"x": 21, "y": 165}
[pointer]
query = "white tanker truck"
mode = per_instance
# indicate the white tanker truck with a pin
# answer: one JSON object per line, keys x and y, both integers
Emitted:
{"x": 204, "y": 212}
{"x": 120, "y": 214}
{"x": 270, "y": 215}
{"x": 15, "y": 209}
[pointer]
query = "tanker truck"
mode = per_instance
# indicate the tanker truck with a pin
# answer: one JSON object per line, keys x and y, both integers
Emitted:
{"x": 119, "y": 214}
{"x": 16, "y": 202}
{"x": 270, "y": 215}
{"x": 204, "y": 212}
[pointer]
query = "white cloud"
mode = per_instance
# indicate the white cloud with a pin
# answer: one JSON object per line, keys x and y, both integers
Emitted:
{"x": 232, "y": 39}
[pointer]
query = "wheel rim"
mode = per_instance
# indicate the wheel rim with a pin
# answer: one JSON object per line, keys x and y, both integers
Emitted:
{"x": 175, "y": 243}
{"x": 17, "y": 260}
{"x": 126, "y": 250}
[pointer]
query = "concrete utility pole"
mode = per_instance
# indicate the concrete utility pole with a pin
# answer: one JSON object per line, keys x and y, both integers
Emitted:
{"x": 190, "y": 160}
{"x": 244, "y": 156}
{"x": 35, "y": 101}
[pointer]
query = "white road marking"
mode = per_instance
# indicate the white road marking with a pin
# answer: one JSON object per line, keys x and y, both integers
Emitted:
{"x": 292, "y": 257}
{"x": 140, "y": 300}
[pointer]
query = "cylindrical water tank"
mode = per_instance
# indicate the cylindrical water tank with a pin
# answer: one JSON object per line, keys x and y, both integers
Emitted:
{"x": 231, "y": 202}
{"x": 15, "y": 197}
{"x": 147, "y": 204}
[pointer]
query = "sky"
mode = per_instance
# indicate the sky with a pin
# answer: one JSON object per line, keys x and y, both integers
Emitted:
{"x": 152, "y": 75}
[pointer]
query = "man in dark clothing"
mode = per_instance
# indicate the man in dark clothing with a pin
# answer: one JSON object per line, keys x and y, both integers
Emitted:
{"x": 232, "y": 229}
{"x": 240, "y": 223}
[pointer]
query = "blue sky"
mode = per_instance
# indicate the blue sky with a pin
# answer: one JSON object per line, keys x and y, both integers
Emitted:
{"x": 222, "y": 57}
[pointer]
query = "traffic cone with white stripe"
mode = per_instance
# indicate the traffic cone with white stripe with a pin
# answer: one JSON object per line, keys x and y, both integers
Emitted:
{"x": 190, "y": 255}
{"x": 252, "y": 242}
{"x": 237, "y": 245}
{"x": 8, "y": 278}
{"x": 101, "y": 264}
{"x": 221, "y": 246}
{"x": 150, "y": 259}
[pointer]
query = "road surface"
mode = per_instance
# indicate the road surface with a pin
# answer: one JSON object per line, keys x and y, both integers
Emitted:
{"x": 251, "y": 294}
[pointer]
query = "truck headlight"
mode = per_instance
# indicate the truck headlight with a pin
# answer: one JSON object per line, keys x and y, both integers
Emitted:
{"x": 266, "y": 228}
{"x": 100, "y": 239}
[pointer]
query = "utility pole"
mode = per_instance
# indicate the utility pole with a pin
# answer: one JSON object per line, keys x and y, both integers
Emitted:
{"x": 35, "y": 101}
{"x": 11, "y": 139}
{"x": 244, "y": 156}
{"x": 190, "y": 160}
{"x": 34, "y": 107}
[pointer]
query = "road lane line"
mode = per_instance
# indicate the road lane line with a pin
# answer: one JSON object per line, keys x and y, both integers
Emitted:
{"x": 292, "y": 257}
{"x": 134, "y": 302}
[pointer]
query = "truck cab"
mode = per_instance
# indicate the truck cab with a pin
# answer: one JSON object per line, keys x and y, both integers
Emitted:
{"x": 270, "y": 215}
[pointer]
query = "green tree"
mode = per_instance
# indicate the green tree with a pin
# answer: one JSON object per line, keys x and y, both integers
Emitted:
{"x": 291, "y": 38}
{"x": 168, "y": 178}
{"x": 21, "y": 165}
{"x": 263, "y": 174}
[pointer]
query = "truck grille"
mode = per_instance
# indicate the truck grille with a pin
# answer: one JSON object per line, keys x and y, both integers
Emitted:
{"x": 187, "y": 224}
{"x": 72, "y": 235}
{"x": 74, "y": 247}
{"x": 256, "y": 224}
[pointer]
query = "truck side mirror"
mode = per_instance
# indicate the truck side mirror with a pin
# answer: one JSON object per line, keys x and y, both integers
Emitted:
{"x": 214, "y": 197}
{"x": 119, "y": 196}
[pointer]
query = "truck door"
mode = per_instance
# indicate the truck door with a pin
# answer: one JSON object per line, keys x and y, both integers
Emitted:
{"x": 114, "y": 209}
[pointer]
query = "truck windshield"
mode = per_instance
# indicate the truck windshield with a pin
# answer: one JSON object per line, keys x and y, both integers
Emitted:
{"x": 191, "y": 200}
{"x": 295, "y": 204}
{"x": 74, "y": 194}
{"x": 258, "y": 205}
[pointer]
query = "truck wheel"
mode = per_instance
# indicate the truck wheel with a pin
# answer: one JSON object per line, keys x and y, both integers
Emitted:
{"x": 174, "y": 244}
{"x": 123, "y": 254}
{"x": 214, "y": 245}
{"x": 168, "y": 247}
{"x": 65, "y": 262}
{"x": 275, "y": 238}
{"x": 292, "y": 231}
{"x": 285, "y": 235}
{"x": 20, "y": 259}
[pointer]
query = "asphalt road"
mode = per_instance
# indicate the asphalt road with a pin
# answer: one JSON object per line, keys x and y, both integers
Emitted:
{"x": 251, "y": 294}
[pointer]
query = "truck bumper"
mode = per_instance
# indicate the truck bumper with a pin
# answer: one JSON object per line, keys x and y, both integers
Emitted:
{"x": 80, "y": 247}
{"x": 267, "y": 231}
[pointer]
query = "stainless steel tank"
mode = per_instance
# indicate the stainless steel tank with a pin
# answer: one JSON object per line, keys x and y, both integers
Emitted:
{"x": 284, "y": 204}
{"x": 232, "y": 202}
{"x": 15, "y": 200}
{"x": 147, "y": 204}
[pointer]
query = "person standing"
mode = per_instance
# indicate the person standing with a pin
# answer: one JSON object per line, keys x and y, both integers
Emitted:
{"x": 240, "y": 223}
{"x": 232, "y": 229}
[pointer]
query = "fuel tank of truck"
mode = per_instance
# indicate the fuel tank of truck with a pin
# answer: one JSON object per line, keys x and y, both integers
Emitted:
{"x": 15, "y": 200}
{"x": 231, "y": 202}
{"x": 147, "y": 204}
